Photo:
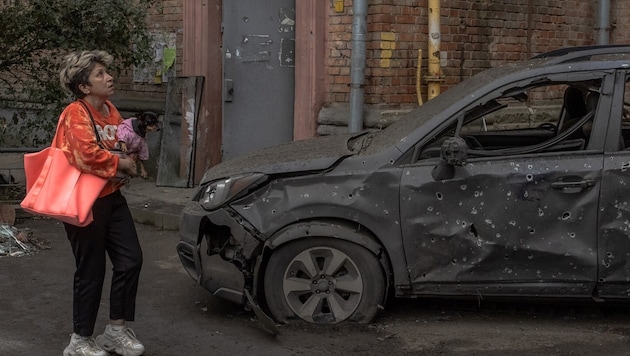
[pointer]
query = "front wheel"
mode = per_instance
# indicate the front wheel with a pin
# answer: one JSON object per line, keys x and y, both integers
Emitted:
{"x": 325, "y": 281}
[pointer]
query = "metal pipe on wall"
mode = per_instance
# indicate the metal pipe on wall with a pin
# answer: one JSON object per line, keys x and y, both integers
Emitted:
{"x": 433, "y": 78}
{"x": 603, "y": 22}
{"x": 357, "y": 69}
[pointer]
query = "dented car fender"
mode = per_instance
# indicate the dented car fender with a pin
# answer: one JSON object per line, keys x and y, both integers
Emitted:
{"x": 337, "y": 229}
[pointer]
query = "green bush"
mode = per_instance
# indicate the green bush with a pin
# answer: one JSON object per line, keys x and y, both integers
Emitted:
{"x": 34, "y": 37}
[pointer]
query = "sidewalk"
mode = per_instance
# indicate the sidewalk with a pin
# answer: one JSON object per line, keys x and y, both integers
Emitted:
{"x": 156, "y": 206}
{"x": 149, "y": 204}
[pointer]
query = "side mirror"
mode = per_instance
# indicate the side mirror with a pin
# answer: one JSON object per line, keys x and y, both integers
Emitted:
{"x": 454, "y": 152}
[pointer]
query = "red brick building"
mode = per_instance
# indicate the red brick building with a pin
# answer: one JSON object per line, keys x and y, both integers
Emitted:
{"x": 475, "y": 35}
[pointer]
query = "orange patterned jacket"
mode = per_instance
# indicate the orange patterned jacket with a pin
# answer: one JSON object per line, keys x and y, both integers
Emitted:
{"x": 77, "y": 140}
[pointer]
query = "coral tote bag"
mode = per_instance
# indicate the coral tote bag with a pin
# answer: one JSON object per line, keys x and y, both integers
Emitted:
{"x": 57, "y": 189}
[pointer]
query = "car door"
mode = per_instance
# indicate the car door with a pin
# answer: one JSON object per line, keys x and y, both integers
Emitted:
{"x": 519, "y": 218}
{"x": 614, "y": 212}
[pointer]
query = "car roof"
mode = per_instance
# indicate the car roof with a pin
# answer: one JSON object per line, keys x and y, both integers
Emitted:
{"x": 567, "y": 54}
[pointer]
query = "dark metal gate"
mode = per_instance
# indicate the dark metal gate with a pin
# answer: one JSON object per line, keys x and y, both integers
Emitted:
{"x": 258, "y": 83}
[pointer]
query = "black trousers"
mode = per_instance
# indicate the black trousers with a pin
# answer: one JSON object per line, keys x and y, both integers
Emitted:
{"x": 113, "y": 232}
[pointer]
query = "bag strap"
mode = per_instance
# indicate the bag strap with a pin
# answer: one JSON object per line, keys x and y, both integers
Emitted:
{"x": 98, "y": 137}
{"x": 55, "y": 138}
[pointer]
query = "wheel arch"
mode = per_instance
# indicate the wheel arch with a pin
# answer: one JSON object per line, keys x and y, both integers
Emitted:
{"x": 350, "y": 231}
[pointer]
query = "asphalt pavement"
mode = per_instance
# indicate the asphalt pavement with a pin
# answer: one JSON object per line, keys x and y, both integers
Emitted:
{"x": 174, "y": 316}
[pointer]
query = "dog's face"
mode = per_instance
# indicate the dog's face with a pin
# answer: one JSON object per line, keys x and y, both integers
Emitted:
{"x": 149, "y": 119}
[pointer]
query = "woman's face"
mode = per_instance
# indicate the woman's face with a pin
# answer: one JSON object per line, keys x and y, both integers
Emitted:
{"x": 101, "y": 83}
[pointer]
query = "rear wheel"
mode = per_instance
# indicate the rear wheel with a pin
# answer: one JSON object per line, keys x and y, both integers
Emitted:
{"x": 325, "y": 281}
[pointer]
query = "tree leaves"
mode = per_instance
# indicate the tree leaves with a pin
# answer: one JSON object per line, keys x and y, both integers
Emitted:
{"x": 36, "y": 34}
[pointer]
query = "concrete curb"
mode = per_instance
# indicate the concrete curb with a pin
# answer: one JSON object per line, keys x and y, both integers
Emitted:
{"x": 160, "y": 215}
{"x": 157, "y": 206}
{"x": 157, "y": 213}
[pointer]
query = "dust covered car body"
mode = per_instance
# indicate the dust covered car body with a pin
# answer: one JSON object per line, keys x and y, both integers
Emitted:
{"x": 514, "y": 183}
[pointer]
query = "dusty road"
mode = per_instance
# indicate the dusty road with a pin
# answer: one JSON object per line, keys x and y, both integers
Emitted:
{"x": 175, "y": 317}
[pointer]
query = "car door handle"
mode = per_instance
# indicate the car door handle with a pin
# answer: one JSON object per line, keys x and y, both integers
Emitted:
{"x": 573, "y": 186}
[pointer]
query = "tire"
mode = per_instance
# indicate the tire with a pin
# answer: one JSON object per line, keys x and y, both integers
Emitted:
{"x": 325, "y": 281}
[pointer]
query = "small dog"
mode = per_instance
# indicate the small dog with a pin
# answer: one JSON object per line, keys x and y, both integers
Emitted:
{"x": 132, "y": 137}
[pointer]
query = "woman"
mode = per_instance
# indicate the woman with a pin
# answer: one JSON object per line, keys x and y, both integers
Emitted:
{"x": 113, "y": 231}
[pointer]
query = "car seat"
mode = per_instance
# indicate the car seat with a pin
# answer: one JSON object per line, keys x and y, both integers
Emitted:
{"x": 573, "y": 108}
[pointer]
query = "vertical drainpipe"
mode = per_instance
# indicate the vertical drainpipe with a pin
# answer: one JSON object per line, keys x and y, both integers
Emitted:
{"x": 357, "y": 69}
{"x": 603, "y": 22}
{"x": 530, "y": 14}
{"x": 433, "y": 78}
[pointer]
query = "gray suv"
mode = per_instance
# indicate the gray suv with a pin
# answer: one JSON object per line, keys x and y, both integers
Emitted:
{"x": 515, "y": 183}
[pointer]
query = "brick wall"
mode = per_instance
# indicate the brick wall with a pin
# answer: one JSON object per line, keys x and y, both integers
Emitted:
{"x": 475, "y": 35}
{"x": 620, "y": 12}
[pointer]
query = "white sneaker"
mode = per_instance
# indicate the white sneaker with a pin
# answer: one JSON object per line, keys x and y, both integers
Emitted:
{"x": 122, "y": 342}
{"x": 83, "y": 346}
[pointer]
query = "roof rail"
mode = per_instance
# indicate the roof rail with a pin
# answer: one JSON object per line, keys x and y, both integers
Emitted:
{"x": 568, "y": 54}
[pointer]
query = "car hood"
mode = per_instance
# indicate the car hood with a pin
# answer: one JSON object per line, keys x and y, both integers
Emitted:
{"x": 305, "y": 155}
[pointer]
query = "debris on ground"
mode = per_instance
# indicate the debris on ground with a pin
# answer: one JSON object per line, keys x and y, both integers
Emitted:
{"x": 17, "y": 243}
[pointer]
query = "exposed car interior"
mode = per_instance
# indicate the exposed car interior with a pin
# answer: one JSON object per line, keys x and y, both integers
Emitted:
{"x": 546, "y": 118}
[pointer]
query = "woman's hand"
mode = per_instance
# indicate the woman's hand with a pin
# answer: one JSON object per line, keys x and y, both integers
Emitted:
{"x": 127, "y": 165}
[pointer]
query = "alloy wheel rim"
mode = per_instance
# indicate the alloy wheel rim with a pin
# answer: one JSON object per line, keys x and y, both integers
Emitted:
{"x": 322, "y": 285}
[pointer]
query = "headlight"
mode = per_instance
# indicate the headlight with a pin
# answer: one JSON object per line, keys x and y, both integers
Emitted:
{"x": 221, "y": 191}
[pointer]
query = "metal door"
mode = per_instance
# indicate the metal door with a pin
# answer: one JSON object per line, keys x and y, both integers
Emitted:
{"x": 258, "y": 77}
{"x": 613, "y": 214}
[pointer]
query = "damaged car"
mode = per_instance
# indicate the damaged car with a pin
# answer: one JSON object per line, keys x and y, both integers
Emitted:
{"x": 513, "y": 184}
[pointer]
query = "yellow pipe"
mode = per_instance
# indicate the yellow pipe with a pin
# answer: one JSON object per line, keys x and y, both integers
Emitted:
{"x": 433, "y": 78}
{"x": 418, "y": 76}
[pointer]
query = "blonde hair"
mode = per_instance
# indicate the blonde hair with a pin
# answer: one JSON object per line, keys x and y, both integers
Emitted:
{"x": 77, "y": 68}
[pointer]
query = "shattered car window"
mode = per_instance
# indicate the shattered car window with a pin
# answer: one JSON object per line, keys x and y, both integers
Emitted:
{"x": 545, "y": 118}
